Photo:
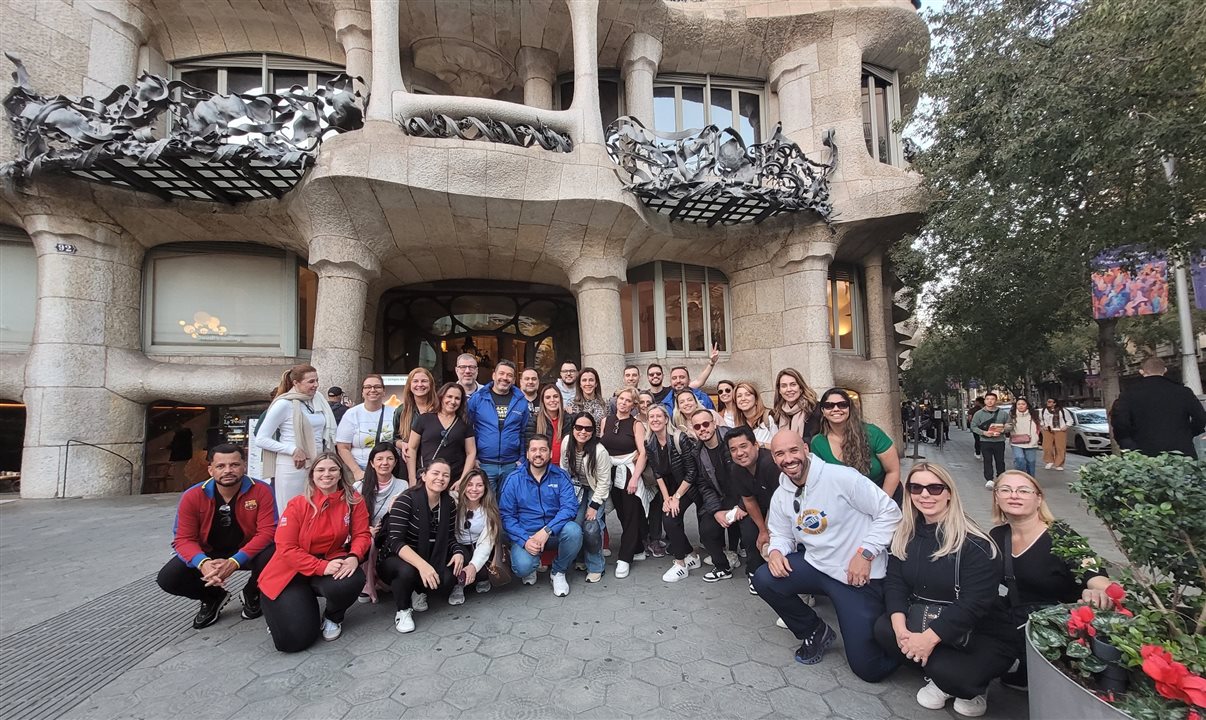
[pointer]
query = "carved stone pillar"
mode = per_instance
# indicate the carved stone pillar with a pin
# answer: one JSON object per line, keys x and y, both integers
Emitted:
{"x": 806, "y": 315}
{"x": 790, "y": 78}
{"x": 354, "y": 30}
{"x": 387, "y": 61}
{"x": 596, "y": 283}
{"x": 538, "y": 69}
{"x": 344, "y": 272}
{"x": 584, "y": 18}
{"x": 639, "y": 59}
{"x": 881, "y": 403}
{"x": 119, "y": 30}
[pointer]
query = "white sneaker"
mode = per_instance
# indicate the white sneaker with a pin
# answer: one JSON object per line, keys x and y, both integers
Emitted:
{"x": 1048, "y": 466}
{"x": 622, "y": 569}
{"x": 780, "y": 623}
{"x": 560, "y": 585}
{"x": 931, "y": 697}
{"x": 404, "y": 621}
{"x": 1060, "y": 468}
{"x": 457, "y": 596}
{"x": 975, "y": 707}
{"x": 482, "y": 586}
{"x": 331, "y": 630}
{"x": 530, "y": 579}
{"x": 693, "y": 561}
{"x": 988, "y": 484}
{"x": 639, "y": 556}
{"x": 707, "y": 560}
{"x": 363, "y": 598}
{"x": 675, "y": 573}
{"x": 418, "y": 601}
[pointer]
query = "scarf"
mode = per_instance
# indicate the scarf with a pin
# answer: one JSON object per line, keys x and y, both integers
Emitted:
{"x": 792, "y": 416}
{"x": 421, "y": 519}
{"x": 303, "y": 435}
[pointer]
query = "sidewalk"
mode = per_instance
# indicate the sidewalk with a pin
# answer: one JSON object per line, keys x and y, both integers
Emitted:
{"x": 84, "y": 632}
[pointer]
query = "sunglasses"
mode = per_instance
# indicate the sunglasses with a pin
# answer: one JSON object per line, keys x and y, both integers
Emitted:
{"x": 468, "y": 517}
{"x": 839, "y": 405}
{"x": 225, "y": 518}
{"x": 583, "y": 428}
{"x": 702, "y": 425}
{"x": 934, "y": 489}
{"x": 724, "y": 391}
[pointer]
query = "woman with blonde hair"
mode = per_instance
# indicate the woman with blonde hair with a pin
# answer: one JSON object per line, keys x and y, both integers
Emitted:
{"x": 296, "y": 428}
{"x": 624, "y": 438}
{"x": 417, "y": 398}
{"x": 477, "y": 527}
{"x": 686, "y": 405}
{"x": 795, "y": 404}
{"x": 753, "y": 414}
{"x": 847, "y": 440}
{"x": 941, "y": 597}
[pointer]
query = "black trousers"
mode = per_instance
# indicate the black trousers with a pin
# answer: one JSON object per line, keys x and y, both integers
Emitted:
{"x": 976, "y": 439}
{"x": 676, "y": 530}
{"x": 734, "y": 537}
{"x": 711, "y": 536}
{"x": 404, "y": 579}
{"x": 993, "y": 452}
{"x": 633, "y": 523}
{"x": 177, "y": 578}
{"x": 293, "y": 616}
{"x": 964, "y": 673}
{"x": 749, "y": 540}
{"x": 655, "y": 527}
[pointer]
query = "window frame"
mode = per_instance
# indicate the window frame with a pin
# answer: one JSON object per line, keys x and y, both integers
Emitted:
{"x": 288, "y": 346}
{"x": 735, "y": 85}
{"x": 892, "y": 97}
{"x": 659, "y": 314}
{"x": 852, "y": 273}
{"x": 266, "y": 62}
{"x": 17, "y": 238}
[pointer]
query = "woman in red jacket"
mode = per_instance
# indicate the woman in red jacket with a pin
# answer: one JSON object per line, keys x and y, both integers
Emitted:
{"x": 321, "y": 539}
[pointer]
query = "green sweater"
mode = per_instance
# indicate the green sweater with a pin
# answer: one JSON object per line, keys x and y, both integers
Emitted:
{"x": 985, "y": 417}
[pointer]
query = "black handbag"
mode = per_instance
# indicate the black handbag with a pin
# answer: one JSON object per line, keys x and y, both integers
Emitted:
{"x": 924, "y": 611}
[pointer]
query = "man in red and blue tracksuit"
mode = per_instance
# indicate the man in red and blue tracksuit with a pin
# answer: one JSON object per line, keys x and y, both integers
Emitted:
{"x": 224, "y": 524}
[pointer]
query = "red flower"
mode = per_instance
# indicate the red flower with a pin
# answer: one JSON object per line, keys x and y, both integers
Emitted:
{"x": 1173, "y": 680}
{"x": 1115, "y": 593}
{"x": 1081, "y": 618}
{"x": 1192, "y": 715}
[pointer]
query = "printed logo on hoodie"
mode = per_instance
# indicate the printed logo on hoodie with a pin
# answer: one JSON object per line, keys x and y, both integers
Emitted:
{"x": 812, "y": 521}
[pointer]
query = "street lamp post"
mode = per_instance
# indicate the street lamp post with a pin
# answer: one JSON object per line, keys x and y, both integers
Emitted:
{"x": 1189, "y": 355}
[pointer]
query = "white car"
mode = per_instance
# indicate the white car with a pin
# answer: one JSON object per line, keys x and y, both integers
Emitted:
{"x": 1089, "y": 432}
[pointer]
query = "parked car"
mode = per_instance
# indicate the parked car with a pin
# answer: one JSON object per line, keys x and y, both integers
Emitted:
{"x": 1089, "y": 432}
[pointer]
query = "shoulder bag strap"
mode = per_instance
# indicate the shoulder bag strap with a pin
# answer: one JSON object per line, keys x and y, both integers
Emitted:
{"x": 443, "y": 437}
{"x": 380, "y": 422}
{"x": 1011, "y": 583}
{"x": 958, "y": 562}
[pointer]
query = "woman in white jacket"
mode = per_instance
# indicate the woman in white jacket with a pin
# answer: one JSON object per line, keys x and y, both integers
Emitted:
{"x": 1023, "y": 428}
{"x": 477, "y": 526}
{"x": 587, "y": 462}
{"x": 287, "y": 452}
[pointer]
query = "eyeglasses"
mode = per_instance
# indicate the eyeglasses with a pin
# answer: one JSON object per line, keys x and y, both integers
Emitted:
{"x": 702, "y": 425}
{"x": 839, "y": 405}
{"x": 466, "y": 367}
{"x": 934, "y": 489}
{"x": 373, "y": 387}
{"x": 724, "y": 391}
{"x": 225, "y": 518}
{"x": 583, "y": 428}
{"x": 1019, "y": 491}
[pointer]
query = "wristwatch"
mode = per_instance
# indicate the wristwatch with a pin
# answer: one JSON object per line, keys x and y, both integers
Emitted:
{"x": 867, "y": 554}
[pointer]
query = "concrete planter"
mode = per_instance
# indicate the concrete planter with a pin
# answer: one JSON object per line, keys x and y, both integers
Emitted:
{"x": 1055, "y": 696}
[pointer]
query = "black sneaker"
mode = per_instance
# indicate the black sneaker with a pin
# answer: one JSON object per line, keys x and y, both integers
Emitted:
{"x": 751, "y": 580}
{"x": 210, "y": 609}
{"x": 251, "y": 605}
{"x": 815, "y": 645}
{"x": 717, "y": 575}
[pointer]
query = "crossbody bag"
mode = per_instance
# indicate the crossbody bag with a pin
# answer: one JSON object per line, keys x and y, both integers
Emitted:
{"x": 924, "y": 611}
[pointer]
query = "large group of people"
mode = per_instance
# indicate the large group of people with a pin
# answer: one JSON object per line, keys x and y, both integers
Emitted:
{"x": 465, "y": 485}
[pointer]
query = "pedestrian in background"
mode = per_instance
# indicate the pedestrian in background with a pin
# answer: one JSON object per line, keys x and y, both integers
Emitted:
{"x": 1023, "y": 429}
{"x": 1055, "y": 421}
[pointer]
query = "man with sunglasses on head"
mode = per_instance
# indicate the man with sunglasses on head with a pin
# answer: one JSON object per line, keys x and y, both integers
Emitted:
{"x": 224, "y": 524}
{"x": 720, "y": 504}
{"x": 830, "y": 528}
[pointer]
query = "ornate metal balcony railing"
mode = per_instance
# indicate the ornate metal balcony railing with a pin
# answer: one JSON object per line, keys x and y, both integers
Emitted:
{"x": 228, "y": 148}
{"x": 712, "y": 176}
{"x": 471, "y": 128}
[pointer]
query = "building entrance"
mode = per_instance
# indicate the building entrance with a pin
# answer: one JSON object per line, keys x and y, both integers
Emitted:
{"x": 430, "y": 324}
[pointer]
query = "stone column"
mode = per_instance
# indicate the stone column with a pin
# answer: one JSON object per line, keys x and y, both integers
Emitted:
{"x": 881, "y": 403}
{"x": 639, "y": 59}
{"x": 89, "y": 295}
{"x": 354, "y": 30}
{"x": 344, "y": 268}
{"x": 806, "y": 315}
{"x": 584, "y": 18}
{"x": 538, "y": 69}
{"x": 596, "y": 283}
{"x": 387, "y": 61}
{"x": 790, "y": 79}
{"x": 119, "y": 29}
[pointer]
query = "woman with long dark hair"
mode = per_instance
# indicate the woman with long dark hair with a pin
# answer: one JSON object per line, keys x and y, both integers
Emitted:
{"x": 550, "y": 420}
{"x": 589, "y": 465}
{"x": 418, "y": 397}
{"x": 1055, "y": 420}
{"x": 296, "y": 428}
{"x": 1023, "y": 428}
{"x": 444, "y": 433}
{"x": 847, "y": 440}
{"x": 725, "y": 403}
{"x": 379, "y": 488}
{"x": 795, "y": 404}
{"x": 477, "y": 527}
{"x": 588, "y": 397}
{"x": 322, "y": 539}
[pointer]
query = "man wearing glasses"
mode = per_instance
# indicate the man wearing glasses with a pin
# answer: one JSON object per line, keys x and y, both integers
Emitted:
{"x": 223, "y": 524}
{"x": 567, "y": 383}
{"x": 466, "y": 373}
{"x": 829, "y": 532}
{"x": 719, "y": 505}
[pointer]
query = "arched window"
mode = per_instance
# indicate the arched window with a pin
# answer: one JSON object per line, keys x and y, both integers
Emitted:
{"x": 675, "y": 310}
{"x": 225, "y": 74}
{"x": 18, "y": 289}
{"x": 227, "y": 299}
{"x": 881, "y": 110}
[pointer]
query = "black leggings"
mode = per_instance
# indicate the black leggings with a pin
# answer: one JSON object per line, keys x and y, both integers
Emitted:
{"x": 293, "y": 616}
{"x": 177, "y": 578}
{"x": 964, "y": 673}
{"x": 633, "y": 523}
{"x": 404, "y": 579}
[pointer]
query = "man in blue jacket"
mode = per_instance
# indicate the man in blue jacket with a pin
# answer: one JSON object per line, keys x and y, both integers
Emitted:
{"x": 499, "y": 413}
{"x": 538, "y": 506}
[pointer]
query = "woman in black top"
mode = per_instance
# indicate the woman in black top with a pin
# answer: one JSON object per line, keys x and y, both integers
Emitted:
{"x": 624, "y": 438}
{"x": 446, "y": 434}
{"x": 1026, "y": 530}
{"x": 671, "y": 455}
{"x": 421, "y": 551}
{"x": 940, "y": 558}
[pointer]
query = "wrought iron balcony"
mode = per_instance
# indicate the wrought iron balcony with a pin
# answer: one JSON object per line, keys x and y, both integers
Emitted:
{"x": 228, "y": 148}
{"x": 712, "y": 176}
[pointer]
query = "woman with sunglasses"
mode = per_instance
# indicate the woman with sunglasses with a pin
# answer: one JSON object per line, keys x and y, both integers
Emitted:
{"x": 624, "y": 439}
{"x": 421, "y": 552}
{"x": 845, "y": 439}
{"x": 724, "y": 401}
{"x": 1035, "y": 576}
{"x": 379, "y": 488}
{"x": 477, "y": 526}
{"x": 686, "y": 405}
{"x": 549, "y": 419}
{"x": 587, "y": 462}
{"x": 444, "y": 433}
{"x": 753, "y": 414}
{"x": 795, "y": 404}
{"x": 942, "y": 559}
{"x": 588, "y": 397}
{"x": 321, "y": 540}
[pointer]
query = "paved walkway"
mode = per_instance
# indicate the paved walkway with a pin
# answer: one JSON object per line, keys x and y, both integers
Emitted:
{"x": 75, "y": 581}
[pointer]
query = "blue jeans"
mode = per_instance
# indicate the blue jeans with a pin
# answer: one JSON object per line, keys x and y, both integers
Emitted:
{"x": 857, "y": 610}
{"x": 568, "y": 542}
{"x": 592, "y": 532}
{"x": 1024, "y": 459}
{"x": 496, "y": 473}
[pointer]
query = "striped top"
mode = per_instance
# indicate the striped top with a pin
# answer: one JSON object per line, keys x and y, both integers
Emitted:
{"x": 402, "y": 526}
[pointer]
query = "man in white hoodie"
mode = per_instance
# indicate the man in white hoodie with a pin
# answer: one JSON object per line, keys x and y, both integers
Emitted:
{"x": 830, "y": 528}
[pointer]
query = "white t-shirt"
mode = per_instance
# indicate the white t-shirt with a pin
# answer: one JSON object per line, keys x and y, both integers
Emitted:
{"x": 358, "y": 428}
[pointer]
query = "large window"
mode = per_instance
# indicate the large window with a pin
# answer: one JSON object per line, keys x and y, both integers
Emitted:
{"x": 253, "y": 73}
{"x": 881, "y": 111}
{"x": 845, "y": 303}
{"x": 690, "y": 103}
{"x": 611, "y": 95}
{"x": 227, "y": 299}
{"x": 18, "y": 289}
{"x": 672, "y": 309}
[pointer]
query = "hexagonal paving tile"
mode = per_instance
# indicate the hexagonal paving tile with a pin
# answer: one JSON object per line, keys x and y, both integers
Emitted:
{"x": 460, "y": 667}
{"x": 794, "y": 702}
{"x": 543, "y": 647}
{"x": 679, "y": 651}
{"x": 634, "y": 697}
{"x": 856, "y": 705}
{"x": 743, "y": 703}
{"x": 368, "y": 689}
{"x": 707, "y": 673}
{"x": 373, "y": 663}
{"x": 606, "y": 671}
{"x": 456, "y": 645}
{"x": 421, "y": 691}
{"x": 631, "y": 649}
{"x": 658, "y": 671}
{"x": 473, "y": 692}
{"x": 758, "y": 676}
{"x": 498, "y": 646}
{"x": 559, "y": 668}
{"x": 432, "y": 711}
{"x": 575, "y": 699}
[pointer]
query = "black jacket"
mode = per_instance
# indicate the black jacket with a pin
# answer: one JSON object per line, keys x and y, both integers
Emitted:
{"x": 683, "y": 460}
{"x": 715, "y": 488}
{"x": 1158, "y": 415}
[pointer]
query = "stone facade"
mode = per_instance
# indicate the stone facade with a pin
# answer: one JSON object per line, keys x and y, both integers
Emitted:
{"x": 382, "y": 209}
